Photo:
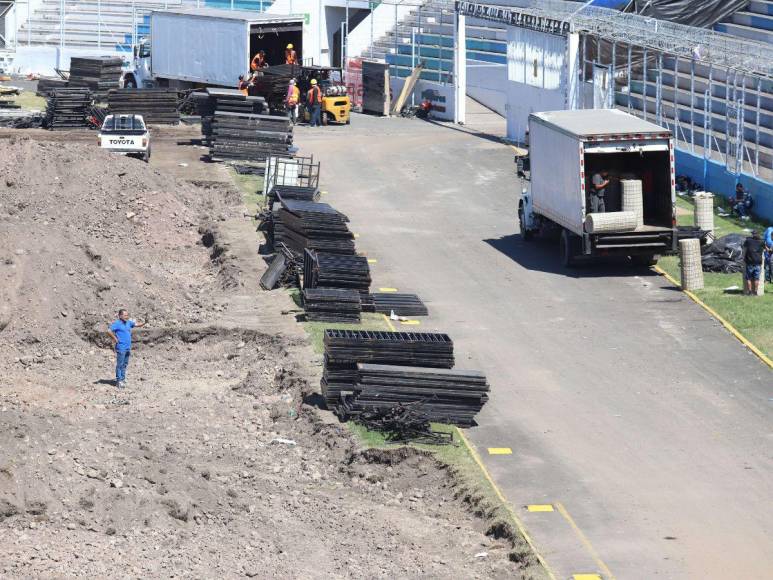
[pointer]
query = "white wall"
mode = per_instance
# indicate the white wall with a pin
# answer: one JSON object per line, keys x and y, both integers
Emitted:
{"x": 445, "y": 91}
{"x": 540, "y": 67}
{"x": 379, "y": 22}
{"x": 487, "y": 83}
{"x": 43, "y": 60}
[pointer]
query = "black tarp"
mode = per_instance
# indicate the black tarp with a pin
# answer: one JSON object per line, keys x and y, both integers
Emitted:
{"x": 700, "y": 13}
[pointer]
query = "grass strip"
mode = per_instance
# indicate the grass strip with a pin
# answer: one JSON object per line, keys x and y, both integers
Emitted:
{"x": 751, "y": 316}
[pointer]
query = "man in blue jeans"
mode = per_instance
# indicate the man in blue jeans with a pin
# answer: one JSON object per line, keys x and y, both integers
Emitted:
{"x": 121, "y": 334}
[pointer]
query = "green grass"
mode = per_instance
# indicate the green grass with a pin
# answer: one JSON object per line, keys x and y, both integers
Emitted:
{"x": 753, "y": 317}
{"x": 316, "y": 330}
{"x": 251, "y": 187}
{"x": 29, "y": 100}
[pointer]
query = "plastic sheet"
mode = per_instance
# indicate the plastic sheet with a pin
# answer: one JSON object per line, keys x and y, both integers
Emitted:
{"x": 700, "y": 13}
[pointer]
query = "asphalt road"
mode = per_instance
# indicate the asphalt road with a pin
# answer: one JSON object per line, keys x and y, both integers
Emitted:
{"x": 621, "y": 400}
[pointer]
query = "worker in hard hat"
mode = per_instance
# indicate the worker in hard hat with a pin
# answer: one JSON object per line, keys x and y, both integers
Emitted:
{"x": 291, "y": 100}
{"x": 259, "y": 60}
{"x": 314, "y": 103}
{"x": 290, "y": 56}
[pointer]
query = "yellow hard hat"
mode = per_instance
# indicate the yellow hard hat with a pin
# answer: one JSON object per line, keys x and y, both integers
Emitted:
{"x": 313, "y": 81}
{"x": 289, "y": 46}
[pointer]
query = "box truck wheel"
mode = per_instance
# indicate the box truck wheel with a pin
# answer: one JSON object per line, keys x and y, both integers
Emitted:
{"x": 526, "y": 234}
{"x": 645, "y": 260}
{"x": 568, "y": 249}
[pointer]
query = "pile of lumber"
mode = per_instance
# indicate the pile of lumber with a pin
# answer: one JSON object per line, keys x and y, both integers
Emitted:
{"x": 345, "y": 348}
{"x": 321, "y": 270}
{"x": 309, "y": 225}
{"x": 68, "y": 108}
{"x": 249, "y": 137}
{"x": 99, "y": 73}
{"x": 155, "y": 105}
{"x": 332, "y": 305}
{"x": 389, "y": 302}
{"x": 448, "y": 396}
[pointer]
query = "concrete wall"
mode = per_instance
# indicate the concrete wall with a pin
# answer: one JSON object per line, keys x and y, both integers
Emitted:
{"x": 43, "y": 60}
{"x": 715, "y": 178}
{"x": 441, "y": 95}
{"x": 487, "y": 84}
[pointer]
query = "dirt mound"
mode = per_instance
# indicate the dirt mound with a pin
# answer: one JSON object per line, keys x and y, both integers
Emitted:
{"x": 84, "y": 232}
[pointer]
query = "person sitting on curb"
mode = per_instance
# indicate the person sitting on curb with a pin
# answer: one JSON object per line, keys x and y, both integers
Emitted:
{"x": 741, "y": 203}
{"x": 752, "y": 257}
{"x": 120, "y": 333}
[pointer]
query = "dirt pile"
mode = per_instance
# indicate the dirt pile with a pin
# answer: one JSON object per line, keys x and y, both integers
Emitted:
{"x": 212, "y": 463}
{"x": 83, "y": 232}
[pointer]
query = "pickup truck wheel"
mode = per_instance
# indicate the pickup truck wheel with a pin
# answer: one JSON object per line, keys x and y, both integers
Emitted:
{"x": 645, "y": 260}
{"x": 146, "y": 156}
{"x": 568, "y": 256}
{"x": 526, "y": 234}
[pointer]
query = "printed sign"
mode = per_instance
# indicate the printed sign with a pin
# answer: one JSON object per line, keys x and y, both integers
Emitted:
{"x": 512, "y": 17}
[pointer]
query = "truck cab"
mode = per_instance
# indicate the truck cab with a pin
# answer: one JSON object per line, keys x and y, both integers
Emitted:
{"x": 138, "y": 76}
{"x": 126, "y": 135}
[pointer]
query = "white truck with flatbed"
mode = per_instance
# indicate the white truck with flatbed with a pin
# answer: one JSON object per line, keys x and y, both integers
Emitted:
{"x": 125, "y": 134}
{"x": 566, "y": 149}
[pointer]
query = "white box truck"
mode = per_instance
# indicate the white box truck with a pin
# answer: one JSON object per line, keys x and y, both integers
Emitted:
{"x": 566, "y": 148}
{"x": 209, "y": 47}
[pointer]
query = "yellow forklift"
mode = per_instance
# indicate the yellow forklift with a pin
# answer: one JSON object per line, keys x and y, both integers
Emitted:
{"x": 336, "y": 104}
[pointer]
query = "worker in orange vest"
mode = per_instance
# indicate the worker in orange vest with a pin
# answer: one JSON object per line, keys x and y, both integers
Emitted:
{"x": 314, "y": 102}
{"x": 293, "y": 96}
{"x": 259, "y": 60}
{"x": 290, "y": 56}
{"x": 243, "y": 85}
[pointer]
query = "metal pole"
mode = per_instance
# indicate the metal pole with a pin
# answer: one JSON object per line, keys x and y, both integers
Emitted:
{"x": 99, "y": 24}
{"x": 675, "y": 99}
{"x": 659, "y": 91}
{"x": 460, "y": 69}
{"x": 29, "y": 41}
{"x": 630, "y": 71}
{"x": 582, "y": 70}
{"x": 612, "y": 86}
{"x": 372, "y": 18}
{"x": 232, "y": 4}
{"x": 395, "y": 29}
{"x": 413, "y": 57}
{"x": 345, "y": 47}
{"x": 61, "y": 25}
{"x": 644, "y": 86}
{"x": 757, "y": 130}
{"x": 692, "y": 105}
{"x": 343, "y": 25}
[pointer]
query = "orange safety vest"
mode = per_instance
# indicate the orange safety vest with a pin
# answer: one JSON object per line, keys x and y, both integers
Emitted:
{"x": 310, "y": 95}
{"x": 257, "y": 62}
{"x": 293, "y": 99}
{"x": 290, "y": 57}
{"x": 243, "y": 87}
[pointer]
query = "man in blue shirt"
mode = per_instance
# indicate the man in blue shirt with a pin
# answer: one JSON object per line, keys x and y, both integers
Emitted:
{"x": 121, "y": 334}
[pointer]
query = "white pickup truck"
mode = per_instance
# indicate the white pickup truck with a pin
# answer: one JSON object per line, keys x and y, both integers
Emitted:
{"x": 127, "y": 135}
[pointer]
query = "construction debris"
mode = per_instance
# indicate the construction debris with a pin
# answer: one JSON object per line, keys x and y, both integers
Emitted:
{"x": 401, "y": 423}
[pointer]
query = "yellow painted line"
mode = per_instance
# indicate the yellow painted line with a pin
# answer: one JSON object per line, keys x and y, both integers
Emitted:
{"x": 372, "y": 261}
{"x": 761, "y": 355}
{"x": 356, "y": 236}
{"x": 510, "y": 510}
{"x": 500, "y": 451}
{"x": 389, "y": 323}
{"x": 540, "y": 507}
{"x": 387, "y": 289}
{"x": 323, "y": 192}
{"x": 586, "y": 542}
{"x": 410, "y": 322}
{"x": 586, "y": 577}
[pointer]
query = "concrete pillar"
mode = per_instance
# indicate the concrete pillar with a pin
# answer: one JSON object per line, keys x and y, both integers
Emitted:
{"x": 573, "y": 71}
{"x": 460, "y": 69}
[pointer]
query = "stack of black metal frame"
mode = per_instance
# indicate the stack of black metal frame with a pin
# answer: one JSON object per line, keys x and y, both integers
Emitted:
{"x": 321, "y": 270}
{"x": 389, "y": 302}
{"x": 155, "y": 105}
{"x": 305, "y": 225}
{"x": 98, "y": 73}
{"x": 68, "y": 108}
{"x": 345, "y": 348}
{"x": 45, "y": 86}
{"x": 299, "y": 192}
{"x": 332, "y": 305}
{"x": 448, "y": 396}
{"x": 272, "y": 83}
{"x": 249, "y": 137}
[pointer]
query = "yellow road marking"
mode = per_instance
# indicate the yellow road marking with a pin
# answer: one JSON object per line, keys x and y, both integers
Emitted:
{"x": 761, "y": 355}
{"x": 410, "y": 322}
{"x": 372, "y": 261}
{"x": 586, "y": 577}
{"x": 389, "y": 323}
{"x": 585, "y": 541}
{"x": 500, "y": 451}
{"x": 387, "y": 289}
{"x": 540, "y": 507}
{"x": 356, "y": 236}
{"x": 510, "y": 510}
{"x": 323, "y": 192}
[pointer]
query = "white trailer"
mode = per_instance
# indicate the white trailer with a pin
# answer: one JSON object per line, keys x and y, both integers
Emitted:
{"x": 566, "y": 148}
{"x": 210, "y": 47}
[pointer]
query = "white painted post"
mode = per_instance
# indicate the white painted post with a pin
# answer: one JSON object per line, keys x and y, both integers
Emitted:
{"x": 413, "y": 59}
{"x": 61, "y": 26}
{"x": 460, "y": 69}
{"x": 99, "y": 24}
